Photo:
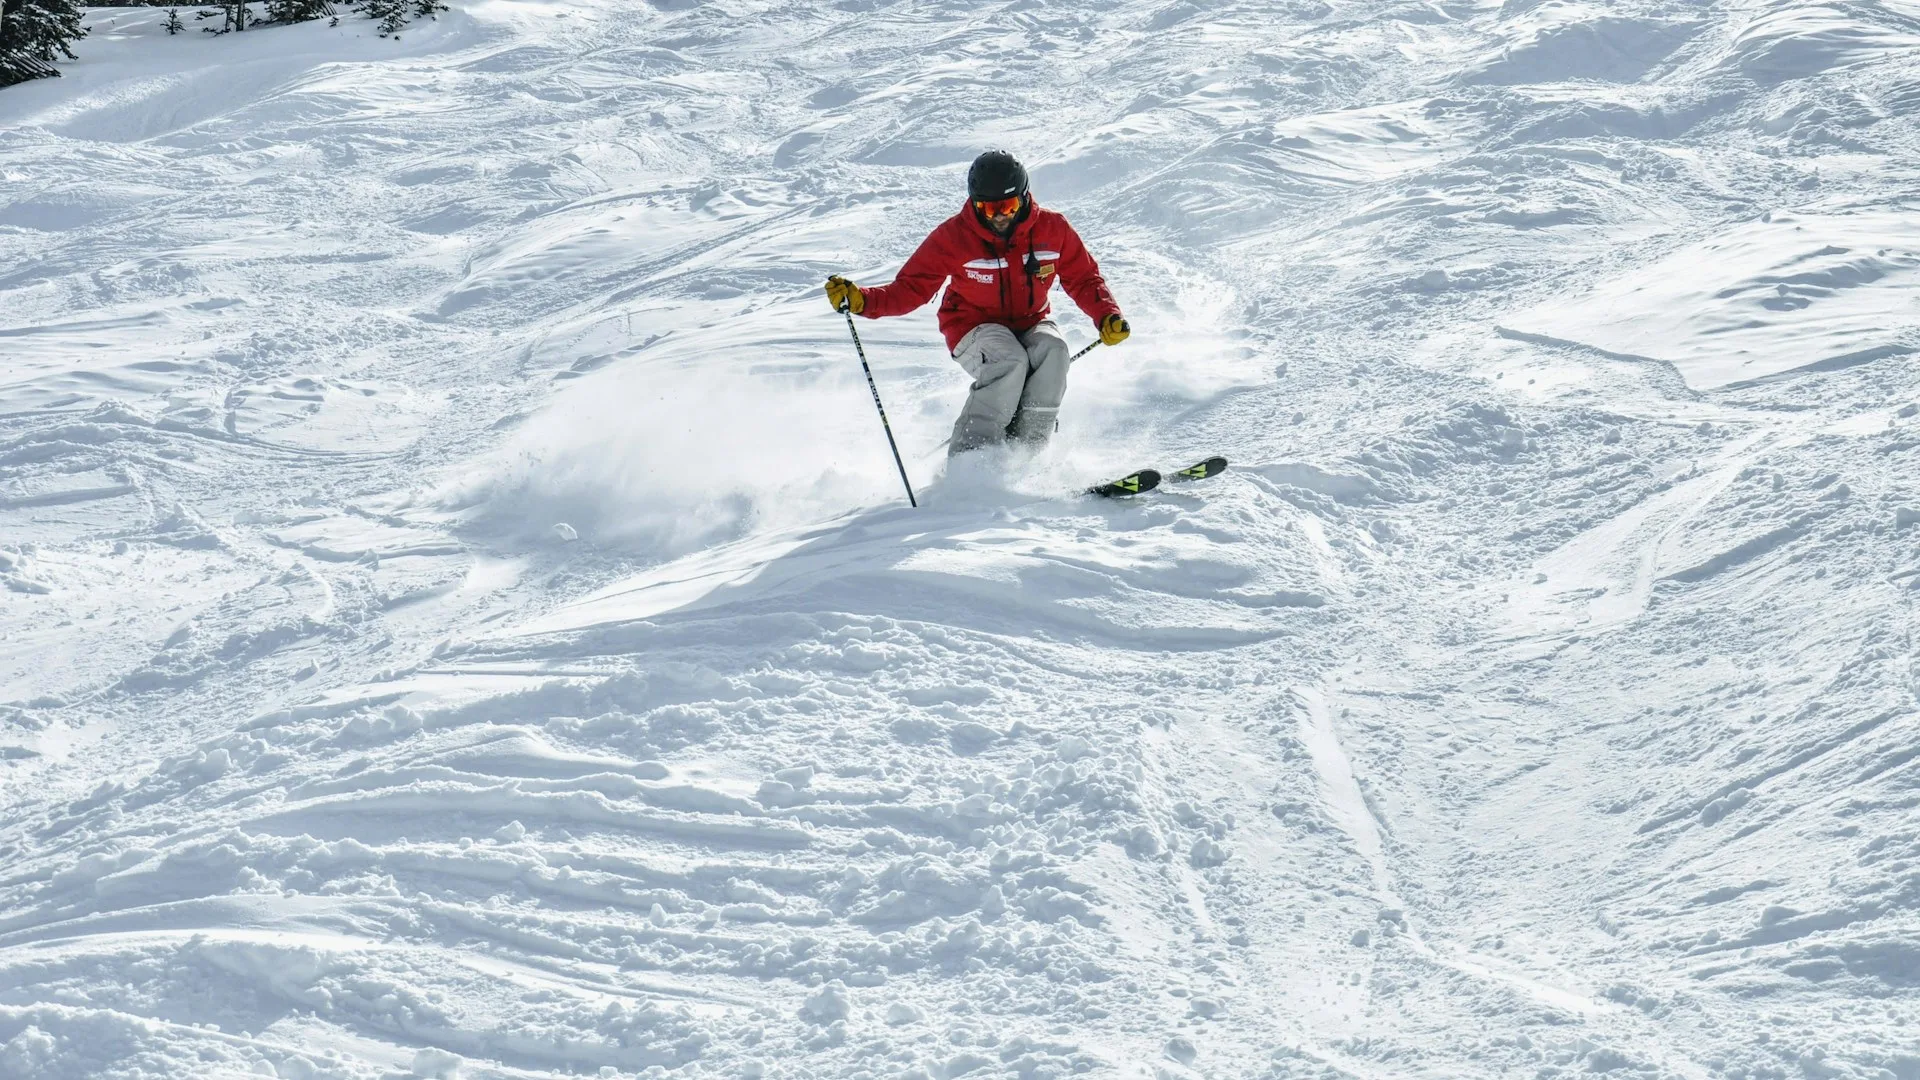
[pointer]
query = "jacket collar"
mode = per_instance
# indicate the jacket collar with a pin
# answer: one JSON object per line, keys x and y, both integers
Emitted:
{"x": 1020, "y": 231}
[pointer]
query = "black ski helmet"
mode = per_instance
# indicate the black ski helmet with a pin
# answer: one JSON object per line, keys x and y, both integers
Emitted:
{"x": 996, "y": 174}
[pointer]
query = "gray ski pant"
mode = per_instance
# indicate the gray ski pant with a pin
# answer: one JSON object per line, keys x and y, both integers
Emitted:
{"x": 1018, "y": 383}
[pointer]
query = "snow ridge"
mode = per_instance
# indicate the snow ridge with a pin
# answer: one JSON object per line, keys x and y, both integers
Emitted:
{"x": 458, "y": 618}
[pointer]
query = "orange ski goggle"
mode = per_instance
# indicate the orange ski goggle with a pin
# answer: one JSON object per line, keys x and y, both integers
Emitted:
{"x": 997, "y": 207}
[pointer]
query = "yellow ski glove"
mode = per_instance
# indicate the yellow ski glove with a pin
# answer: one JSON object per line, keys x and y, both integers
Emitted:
{"x": 844, "y": 295}
{"x": 1113, "y": 330}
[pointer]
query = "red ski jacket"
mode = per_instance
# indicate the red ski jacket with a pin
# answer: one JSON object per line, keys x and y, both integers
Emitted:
{"x": 991, "y": 280}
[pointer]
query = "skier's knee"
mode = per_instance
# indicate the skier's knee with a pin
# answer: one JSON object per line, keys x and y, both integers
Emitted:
{"x": 994, "y": 370}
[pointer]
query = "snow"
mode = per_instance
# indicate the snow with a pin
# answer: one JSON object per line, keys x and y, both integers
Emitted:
{"x": 1792, "y": 41}
{"x": 1787, "y": 292}
{"x": 461, "y": 619}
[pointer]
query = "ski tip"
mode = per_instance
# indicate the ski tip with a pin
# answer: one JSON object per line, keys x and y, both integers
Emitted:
{"x": 1213, "y": 466}
{"x": 1131, "y": 484}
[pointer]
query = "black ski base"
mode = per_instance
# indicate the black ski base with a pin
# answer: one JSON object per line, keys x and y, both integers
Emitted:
{"x": 1202, "y": 470}
{"x": 1147, "y": 479}
{"x": 1130, "y": 484}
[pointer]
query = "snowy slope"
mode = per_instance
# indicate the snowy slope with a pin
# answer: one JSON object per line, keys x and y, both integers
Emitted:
{"x": 1534, "y": 697}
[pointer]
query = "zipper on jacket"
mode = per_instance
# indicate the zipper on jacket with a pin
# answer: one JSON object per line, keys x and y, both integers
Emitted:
{"x": 1006, "y": 292}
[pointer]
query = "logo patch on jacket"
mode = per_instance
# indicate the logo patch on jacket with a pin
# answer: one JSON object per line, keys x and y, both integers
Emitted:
{"x": 976, "y": 269}
{"x": 1045, "y": 269}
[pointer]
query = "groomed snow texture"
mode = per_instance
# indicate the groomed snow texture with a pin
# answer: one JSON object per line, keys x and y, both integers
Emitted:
{"x": 459, "y": 618}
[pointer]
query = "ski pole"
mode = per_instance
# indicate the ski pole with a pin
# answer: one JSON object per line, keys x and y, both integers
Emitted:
{"x": 1076, "y": 356}
{"x": 847, "y": 310}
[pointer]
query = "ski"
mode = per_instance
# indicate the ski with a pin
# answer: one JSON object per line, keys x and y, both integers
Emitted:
{"x": 1147, "y": 479}
{"x": 1202, "y": 470}
{"x": 1130, "y": 484}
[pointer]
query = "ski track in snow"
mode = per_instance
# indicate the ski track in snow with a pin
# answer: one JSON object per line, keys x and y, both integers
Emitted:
{"x": 1534, "y": 697}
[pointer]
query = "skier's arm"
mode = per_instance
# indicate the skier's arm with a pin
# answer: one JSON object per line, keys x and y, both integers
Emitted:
{"x": 927, "y": 269}
{"x": 1080, "y": 276}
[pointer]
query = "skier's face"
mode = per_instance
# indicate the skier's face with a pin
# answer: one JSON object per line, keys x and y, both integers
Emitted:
{"x": 999, "y": 213}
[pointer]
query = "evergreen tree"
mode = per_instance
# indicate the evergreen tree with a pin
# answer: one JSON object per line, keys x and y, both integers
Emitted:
{"x": 291, "y": 11}
{"x": 233, "y": 16}
{"x": 391, "y": 14}
{"x": 174, "y": 25}
{"x": 34, "y": 33}
{"x": 427, "y": 9}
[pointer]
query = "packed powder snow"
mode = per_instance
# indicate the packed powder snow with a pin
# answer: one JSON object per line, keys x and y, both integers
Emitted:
{"x": 461, "y": 617}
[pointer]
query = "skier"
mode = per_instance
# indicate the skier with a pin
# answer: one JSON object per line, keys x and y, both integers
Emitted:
{"x": 998, "y": 257}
